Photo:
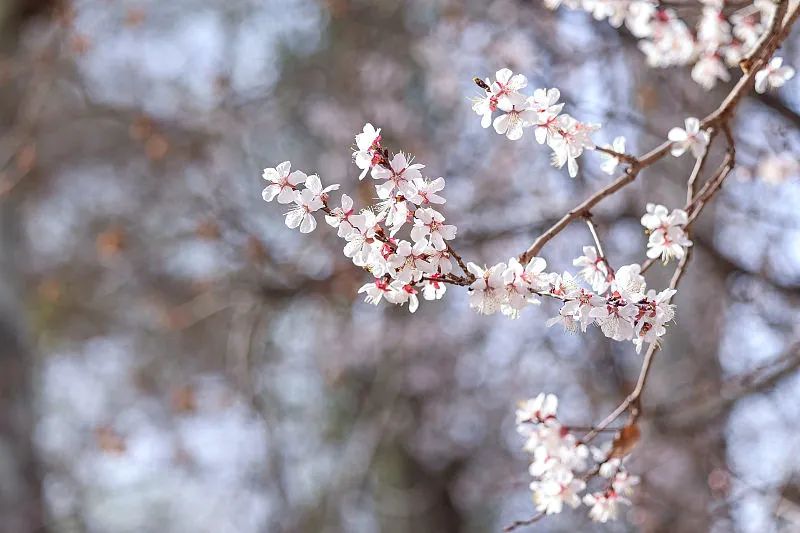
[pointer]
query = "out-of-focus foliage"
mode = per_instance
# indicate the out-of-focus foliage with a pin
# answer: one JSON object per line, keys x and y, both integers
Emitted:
{"x": 195, "y": 366}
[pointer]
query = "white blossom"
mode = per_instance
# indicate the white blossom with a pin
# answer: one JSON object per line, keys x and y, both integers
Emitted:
{"x": 611, "y": 162}
{"x": 402, "y": 293}
{"x": 283, "y": 183}
{"x": 603, "y": 505}
{"x": 375, "y": 290}
{"x": 487, "y": 292}
{"x": 428, "y": 224}
{"x": 398, "y": 176}
{"x": 667, "y": 234}
{"x": 367, "y": 144}
{"x": 593, "y": 269}
{"x": 691, "y": 138}
{"x": 308, "y": 201}
{"x": 774, "y": 75}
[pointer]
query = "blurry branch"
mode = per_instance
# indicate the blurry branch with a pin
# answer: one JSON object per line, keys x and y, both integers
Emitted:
{"x": 522, "y": 523}
{"x": 777, "y": 104}
{"x": 702, "y": 408}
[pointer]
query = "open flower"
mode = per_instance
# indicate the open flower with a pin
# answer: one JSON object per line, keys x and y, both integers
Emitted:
{"x": 692, "y": 138}
{"x": 375, "y": 290}
{"x": 428, "y": 224}
{"x": 367, "y": 143}
{"x": 603, "y": 505}
{"x": 611, "y": 162}
{"x": 593, "y": 269}
{"x": 515, "y": 118}
{"x": 774, "y": 75}
{"x": 345, "y": 218}
{"x": 667, "y": 234}
{"x": 283, "y": 184}
{"x": 487, "y": 292}
{"x": 308, "y": 201}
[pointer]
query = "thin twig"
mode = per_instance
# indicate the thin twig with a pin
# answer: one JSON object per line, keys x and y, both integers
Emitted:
{"x": 600, "y": 253}
{"x": 522, "y": 523}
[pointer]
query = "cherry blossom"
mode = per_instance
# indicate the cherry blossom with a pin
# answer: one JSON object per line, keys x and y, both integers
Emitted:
{"x": 375, "y": 291}
{"x": 629, "y": 283}
{"x": 506, "y": 89}
{"x": 573, "y": 137}
{"x": 512, "y": 121}
{"x": 616, "y": 321}
{"x": 552, "y": 493}
{"x": 487, "y": 291}
{"x": 401, "y": 293}
{"x": 708, "y": 69}
{"x": 425, "y": 191}
{"x": 307, "y": 201}
{"x": 604, "y": 505}
{"x": 611, "y": 161}
{"x": 408, "y": 262}
{"x": 518, "y": 289}
{"x": 774, "y": 75}
{"x": 433, "y": 287}
{"x": 368, "y": 146}
{"x": 399, "y": 175}
{"x": 345, "y": 219}
{"x": 580, "y": 308}
{"x": 561, "y": 464}
{"x": 667, "y": 40}
{"x": 428, "y": 225}
{"x": 538, "y": 409}
{"x": 402, "y": 240}
{"x": 624, "y": 482}
{"x": 667, "y": 235}
{"x": 691, "y": 138}
{"x": 283, "y": 183}
{"x": 593, "y": 269}
{"x": 485, "y": 106}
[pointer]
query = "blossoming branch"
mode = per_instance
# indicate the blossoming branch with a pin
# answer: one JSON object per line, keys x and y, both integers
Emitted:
{"x": 405, "y": 241}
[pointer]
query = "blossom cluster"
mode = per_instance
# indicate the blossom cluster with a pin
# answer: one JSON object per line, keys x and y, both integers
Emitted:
{"x": 566, "y": 136}
{"x": 667, "y": 231}
{"x": 401, "y": 267}
{"x": 619, "y": 302}
{"x": 560, "y": 464}
{"x": 720, "y": 39}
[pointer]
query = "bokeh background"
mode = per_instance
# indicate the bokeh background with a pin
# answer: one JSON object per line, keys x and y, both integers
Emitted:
{"x": 174, "y": 359}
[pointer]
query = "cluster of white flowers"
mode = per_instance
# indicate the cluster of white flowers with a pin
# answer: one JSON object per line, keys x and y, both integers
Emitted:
{"x": 619, "y": 302}
{"x": 286, "y": 187}
{"x": 401, "y": 267}
{"x": 720, "y": 40}
{"x": 667, "y": 232}
{"x": 565, "y": 135}
{"x": 560, "y": 464}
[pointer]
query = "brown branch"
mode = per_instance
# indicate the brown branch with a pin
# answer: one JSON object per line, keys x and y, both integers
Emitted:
{"x": 522, "y": 523}
{"x": 720, "y": 116}
{"x": 622, "y": 157}
{"x": 698, "y": 410}
{"x": 600, "y": 253}
{"x": 577, "y": 212}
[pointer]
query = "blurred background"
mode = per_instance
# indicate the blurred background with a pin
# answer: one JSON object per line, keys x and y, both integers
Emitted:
{"x": 174, "y": 359}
